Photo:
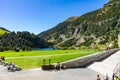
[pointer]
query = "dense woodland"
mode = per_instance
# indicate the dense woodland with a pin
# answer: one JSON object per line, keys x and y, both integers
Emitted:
{"x": 21, "y": 41}
{"x": 99, "y": 27}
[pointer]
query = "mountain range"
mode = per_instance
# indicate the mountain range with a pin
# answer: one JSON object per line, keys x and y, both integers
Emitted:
{"x": 96, "y": 29}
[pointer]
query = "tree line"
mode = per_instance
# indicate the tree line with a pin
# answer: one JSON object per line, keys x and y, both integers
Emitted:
{"x": 21, "y": 41}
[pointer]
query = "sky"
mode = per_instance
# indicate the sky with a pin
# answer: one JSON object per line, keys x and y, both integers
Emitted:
{"x": 37, "y": 16}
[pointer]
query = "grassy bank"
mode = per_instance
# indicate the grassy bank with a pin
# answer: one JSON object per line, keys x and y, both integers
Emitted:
{"x": 34, "y": 59}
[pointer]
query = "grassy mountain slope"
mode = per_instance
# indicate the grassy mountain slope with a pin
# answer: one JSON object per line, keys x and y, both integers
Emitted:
{"x": 92, "y": 30}
{"x": 3, "y": 31}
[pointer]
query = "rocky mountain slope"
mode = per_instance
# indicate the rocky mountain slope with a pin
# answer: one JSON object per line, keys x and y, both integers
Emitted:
{"x": 96, "y": 29}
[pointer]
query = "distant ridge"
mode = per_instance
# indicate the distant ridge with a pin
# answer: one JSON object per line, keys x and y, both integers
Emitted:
{"x": 3, "y": 31}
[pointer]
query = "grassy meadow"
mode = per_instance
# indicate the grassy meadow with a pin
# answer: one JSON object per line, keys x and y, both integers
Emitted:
{"x": 3, "y": 32}
{"x": 34, "y": 59}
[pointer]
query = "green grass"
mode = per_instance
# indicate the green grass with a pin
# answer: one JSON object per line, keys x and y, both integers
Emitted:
{"x": 42, "y": 52}
{"x": 38, "y": 56}
{"x": 3, "y": 32}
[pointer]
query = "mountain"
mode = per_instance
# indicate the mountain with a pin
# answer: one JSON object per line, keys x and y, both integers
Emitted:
{"x": 3, "y": 31}
{"x": 21, "y": 40}
{"x": 96, "y": 29}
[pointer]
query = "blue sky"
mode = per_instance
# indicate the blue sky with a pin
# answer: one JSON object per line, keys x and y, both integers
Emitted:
{"x": 36, "y": 16}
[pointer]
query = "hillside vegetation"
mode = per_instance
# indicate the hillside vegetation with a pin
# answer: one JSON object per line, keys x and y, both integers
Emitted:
{"x": 21, "y": 41}
{"x": 3, "y": 31}
{"x": 96, "y": 29}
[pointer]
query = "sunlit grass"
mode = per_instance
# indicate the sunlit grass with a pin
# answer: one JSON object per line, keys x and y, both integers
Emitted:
{"x": 44, "y": 52}
{"x": 34, "y": 59}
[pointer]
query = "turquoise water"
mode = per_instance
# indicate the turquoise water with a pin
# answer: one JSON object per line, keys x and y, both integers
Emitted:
{"x": 46, "y": 49}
